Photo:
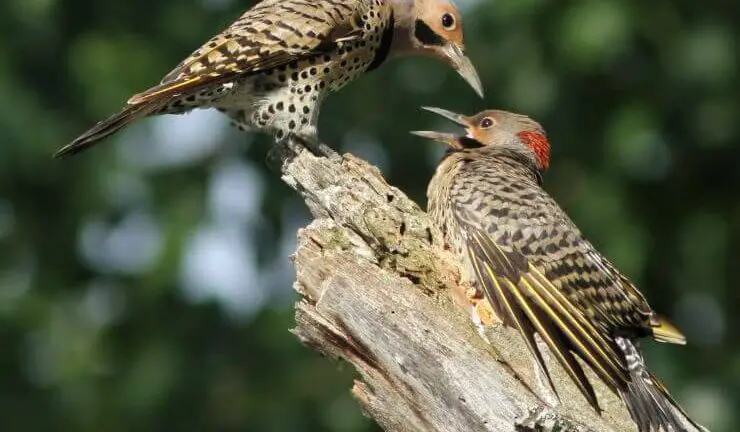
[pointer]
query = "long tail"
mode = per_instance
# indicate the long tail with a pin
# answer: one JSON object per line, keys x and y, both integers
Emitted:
{"x": 108, "y": 127}
{"x": 648, "y": 401}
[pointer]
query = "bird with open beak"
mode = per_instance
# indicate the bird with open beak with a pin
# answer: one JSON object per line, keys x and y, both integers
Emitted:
{"x": 271, "y": 70}
{"x": 537, "y": 270}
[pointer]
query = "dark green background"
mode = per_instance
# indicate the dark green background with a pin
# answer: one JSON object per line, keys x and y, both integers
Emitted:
{"x": 146, "y": 284}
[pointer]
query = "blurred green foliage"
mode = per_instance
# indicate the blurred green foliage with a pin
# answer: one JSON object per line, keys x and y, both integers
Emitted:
{"x": 146, "y": 285}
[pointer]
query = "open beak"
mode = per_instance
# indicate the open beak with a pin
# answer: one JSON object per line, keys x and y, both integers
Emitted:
{"x": 464, "y": 67}
{"x": 447, "y": 138}
{"x": 452, "y": 140}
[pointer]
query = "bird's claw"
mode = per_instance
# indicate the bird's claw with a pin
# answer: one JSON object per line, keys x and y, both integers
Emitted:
{"x": 312, "y": 144}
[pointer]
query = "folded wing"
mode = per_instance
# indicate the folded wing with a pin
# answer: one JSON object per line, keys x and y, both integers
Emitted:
{"x": 528, "y": 301}
{"x": 271, "y": 34}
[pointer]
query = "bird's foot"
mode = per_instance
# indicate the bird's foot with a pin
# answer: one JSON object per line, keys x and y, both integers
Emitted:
{"x": 486, "y": 314}
{"x": 478, "y": 322}
{"x": 312, "y": 144}
{"x": 483, "y": 313}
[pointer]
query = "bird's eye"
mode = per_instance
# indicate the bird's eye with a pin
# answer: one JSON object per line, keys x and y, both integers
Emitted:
{"x": 448, "y": 21}
{"x": 486, "y": 123}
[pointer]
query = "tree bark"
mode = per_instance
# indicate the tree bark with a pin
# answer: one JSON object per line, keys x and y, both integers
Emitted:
{"x": 379, "y": 291}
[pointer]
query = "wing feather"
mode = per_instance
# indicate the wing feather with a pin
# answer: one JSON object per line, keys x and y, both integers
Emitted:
{"x": 533, "y": 303}
{"x": 600, "y": 351}
{"x": 504, "y": 304}
{"x": 271, "y": 34}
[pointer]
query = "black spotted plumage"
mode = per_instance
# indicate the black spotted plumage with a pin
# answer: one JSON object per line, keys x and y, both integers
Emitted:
{"x": 271, "y": 70}
{"x": 292, "y": 52}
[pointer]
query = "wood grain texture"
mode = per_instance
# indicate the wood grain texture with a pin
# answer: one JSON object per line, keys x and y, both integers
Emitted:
{"x": 380, "y": 292}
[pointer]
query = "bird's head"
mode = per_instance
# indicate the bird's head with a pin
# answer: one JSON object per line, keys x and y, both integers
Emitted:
{"x": 495, "y": 129}
{"x": 434, "y": 28}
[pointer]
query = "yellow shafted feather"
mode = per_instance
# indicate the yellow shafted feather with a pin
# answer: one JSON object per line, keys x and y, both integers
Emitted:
{"x": 542, "y": 303}
{"x": 666, "y": 332}
{"x": 538, "y": 271}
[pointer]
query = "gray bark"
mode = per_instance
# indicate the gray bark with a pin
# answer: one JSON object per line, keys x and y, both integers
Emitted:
{"x": 380, "y": 292}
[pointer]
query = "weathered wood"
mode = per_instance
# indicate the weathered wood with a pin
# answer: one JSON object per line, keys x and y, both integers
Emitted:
{"x": 379, "y": 291}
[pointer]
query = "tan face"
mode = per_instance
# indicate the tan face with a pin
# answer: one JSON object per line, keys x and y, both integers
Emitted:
{"x": 489, "y": 127}
{"x": 494, "y": 128}
{"x": 444, "y": 19}
{"x": 438, "y": 32}
{"x": 485, "y": 127}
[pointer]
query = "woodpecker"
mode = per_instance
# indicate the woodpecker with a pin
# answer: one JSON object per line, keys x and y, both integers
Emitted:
{"x": 271, "y": 69}
{"x": 539, "y": 273}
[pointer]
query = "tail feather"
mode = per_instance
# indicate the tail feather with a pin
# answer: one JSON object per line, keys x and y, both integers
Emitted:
{"x": 648, "y": 401}
{"x": 107, "y": 127}
{"x": 650, "y": 408}
{"x": 664, "y": 331}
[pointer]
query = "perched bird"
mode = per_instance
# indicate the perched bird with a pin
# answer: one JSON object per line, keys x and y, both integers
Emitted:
{"x": 536, "y": 268}
{"x": 271, "y": 69}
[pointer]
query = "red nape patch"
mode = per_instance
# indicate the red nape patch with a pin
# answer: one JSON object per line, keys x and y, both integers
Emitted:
{"x": 538, "y": 142}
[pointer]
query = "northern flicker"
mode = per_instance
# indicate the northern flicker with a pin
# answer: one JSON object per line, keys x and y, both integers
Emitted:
{"x": 271, "y": 69}
{"x": 540, "y": 274}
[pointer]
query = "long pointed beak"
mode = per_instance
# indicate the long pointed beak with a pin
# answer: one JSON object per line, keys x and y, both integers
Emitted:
{"x": 449, "y": 115}
{"x": 445, "y": 138}
{"x": 465, "y": 68}
{"x": 452, "y": 140}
